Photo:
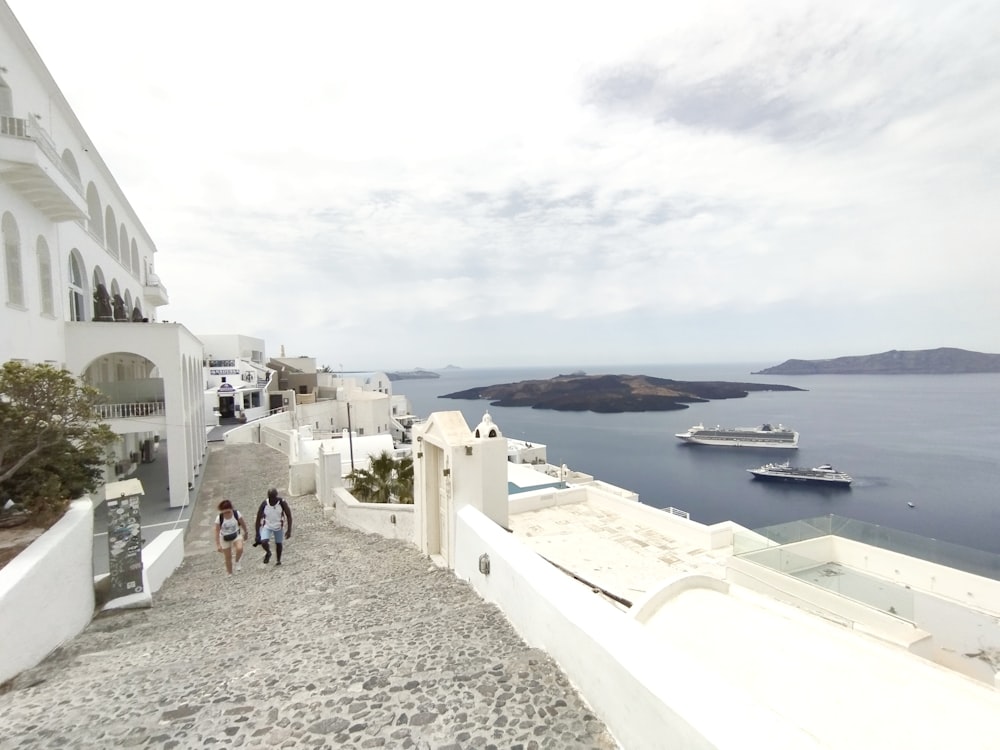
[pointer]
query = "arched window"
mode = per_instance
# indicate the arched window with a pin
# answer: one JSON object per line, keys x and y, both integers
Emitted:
{"x": 6, "y": 99}
{"x": 119, "y": 310}
{"x": 69, "y": 161}
{"x": 12, "y": 260}
{"x": 70, "y": 168}
{"x": 96, "y": 223}
{"x": 103, "y": 311}
{"x": 77, "y": 308}
{"x": 112, "y": 236}
{"x": 135, "y": 259}
{"x": 45, "y": 277}
{"x": 123, "y": 245}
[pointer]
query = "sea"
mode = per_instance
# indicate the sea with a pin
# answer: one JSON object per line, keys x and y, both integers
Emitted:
{"x": 932, "y": 441}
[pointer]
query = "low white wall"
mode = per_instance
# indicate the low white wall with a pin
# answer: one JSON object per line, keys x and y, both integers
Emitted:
{"x": 390, "y": 520}
{"x": 648, "y": 693}
{"x": 47, "y": 591}
{"x": 829, "y": 604}
{"x": 655, "y": 598}
{"x": 161, "y": 557}
{"x": 708, "y": 537}
{"x": 248, "y": 433}
{"x": 524, "y": 502}
{"x": 970, "y": 589}
{"x": 302, "y": 478}
{"x": 278, "y": 439}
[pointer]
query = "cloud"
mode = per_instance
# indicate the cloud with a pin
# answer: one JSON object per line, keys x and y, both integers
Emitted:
{"x": 552, "y": 177}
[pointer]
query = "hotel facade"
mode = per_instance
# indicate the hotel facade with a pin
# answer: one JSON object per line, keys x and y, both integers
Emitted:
{"x": 78, "y": 277}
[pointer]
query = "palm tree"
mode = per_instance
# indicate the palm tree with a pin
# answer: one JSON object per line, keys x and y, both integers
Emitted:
{"x": 385, "y": 481}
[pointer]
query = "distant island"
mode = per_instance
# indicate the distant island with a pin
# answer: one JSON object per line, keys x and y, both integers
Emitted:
{"x": 943, "y": 361}
{"x": 611, "y": 394}
{"x": 417, "y": 374}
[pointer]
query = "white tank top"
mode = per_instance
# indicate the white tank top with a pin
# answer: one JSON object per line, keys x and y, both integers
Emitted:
{"x": 272, "y": 515}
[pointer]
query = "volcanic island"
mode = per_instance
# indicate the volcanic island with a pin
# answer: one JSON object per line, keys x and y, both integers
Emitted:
{"x": 611, "y": 394}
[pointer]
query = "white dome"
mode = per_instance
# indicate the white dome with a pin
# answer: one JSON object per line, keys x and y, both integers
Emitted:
{"x": 487, "y": 429}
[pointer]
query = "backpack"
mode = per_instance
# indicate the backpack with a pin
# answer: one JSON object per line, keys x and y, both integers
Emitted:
{"x": 236, "y": 515}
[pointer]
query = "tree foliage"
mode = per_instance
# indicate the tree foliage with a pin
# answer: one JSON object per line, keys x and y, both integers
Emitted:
{"x": 53, "y": 445}
{"x": 385, "y": 481}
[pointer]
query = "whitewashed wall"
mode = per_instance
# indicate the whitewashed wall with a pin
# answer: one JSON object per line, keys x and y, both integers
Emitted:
{"x": 648, "y": 693}
{"x": 393, "y": 521}
{"x": 47, "y": 591}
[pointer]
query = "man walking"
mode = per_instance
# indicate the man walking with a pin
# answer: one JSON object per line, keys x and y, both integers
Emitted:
{"x": 274, "y": 521}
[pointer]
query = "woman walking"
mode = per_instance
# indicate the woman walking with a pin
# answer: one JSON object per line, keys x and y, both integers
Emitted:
{"x": 230, "y": 531}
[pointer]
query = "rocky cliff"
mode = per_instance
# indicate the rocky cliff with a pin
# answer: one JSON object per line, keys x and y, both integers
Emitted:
{"x": 609, "y": 394}
{"x": 922, "y": 361}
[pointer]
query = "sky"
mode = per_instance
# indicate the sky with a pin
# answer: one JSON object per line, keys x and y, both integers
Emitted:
{"x": 391, "y": 185}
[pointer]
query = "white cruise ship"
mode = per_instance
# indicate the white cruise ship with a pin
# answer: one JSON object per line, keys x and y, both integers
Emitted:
{"x": 765, "y": 436}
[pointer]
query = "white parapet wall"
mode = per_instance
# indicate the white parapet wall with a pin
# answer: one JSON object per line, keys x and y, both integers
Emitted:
{"x": 161, "y": 557}
{"x": 391, "y": 520}
{"x": 649, "y": 693}
{"x": 622, "y": 503}
{"x": 47, "y": 591}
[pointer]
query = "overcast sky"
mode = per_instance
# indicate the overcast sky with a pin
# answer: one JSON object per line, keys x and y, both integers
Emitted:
{"x": 412, "y": 184}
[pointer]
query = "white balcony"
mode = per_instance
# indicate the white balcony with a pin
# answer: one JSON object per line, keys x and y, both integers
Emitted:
{"x": 130, "y": 410}
{"x": 154, "y": 292}
{"x": 30, "y": 163}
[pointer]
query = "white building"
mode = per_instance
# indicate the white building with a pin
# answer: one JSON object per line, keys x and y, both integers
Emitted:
{"x": 78, "y": 278}
{"x": 236, "y": 379}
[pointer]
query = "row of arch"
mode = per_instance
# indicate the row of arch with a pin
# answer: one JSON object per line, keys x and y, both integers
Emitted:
{"x": 113, "y": 303}
{"x": 101, "y": 224}
{"x": 104, "y": 226}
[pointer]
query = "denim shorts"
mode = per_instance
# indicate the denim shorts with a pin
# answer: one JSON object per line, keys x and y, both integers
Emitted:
{"x": 278, "y": 535}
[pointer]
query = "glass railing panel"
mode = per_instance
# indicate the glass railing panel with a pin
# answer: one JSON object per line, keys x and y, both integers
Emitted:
{"x": 977, "y": 562}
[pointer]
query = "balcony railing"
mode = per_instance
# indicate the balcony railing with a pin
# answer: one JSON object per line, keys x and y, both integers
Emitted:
{"x": 154, "y": 291}
{"x": 32, "y": 165}
{"x": 28, "y": 129}
{"x": 130, "y": 411}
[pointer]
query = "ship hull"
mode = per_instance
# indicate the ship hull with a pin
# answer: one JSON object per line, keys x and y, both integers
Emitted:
{"x": 764, "y": 436}
{"x": 824, "y": 475}
{"x": 746, "y": 442}
{"x": 802, "y": 480}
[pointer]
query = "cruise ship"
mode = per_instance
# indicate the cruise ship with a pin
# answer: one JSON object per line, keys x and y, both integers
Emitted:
{"x": 765, "y": 436}
{"x": 824, "y": 474}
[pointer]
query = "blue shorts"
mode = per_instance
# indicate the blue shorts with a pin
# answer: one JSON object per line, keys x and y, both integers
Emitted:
{"x": 278, "y": 535}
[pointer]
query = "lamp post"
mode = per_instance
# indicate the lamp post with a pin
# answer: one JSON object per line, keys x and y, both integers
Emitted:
{"x": 350, "y": 437}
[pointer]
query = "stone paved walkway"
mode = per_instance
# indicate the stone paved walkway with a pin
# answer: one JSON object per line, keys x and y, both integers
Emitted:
{"x": 354, "y": 642}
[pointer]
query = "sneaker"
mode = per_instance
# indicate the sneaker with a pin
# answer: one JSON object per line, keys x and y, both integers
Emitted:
{"x": 239, "y": 567}
{"x": 277, "y": 563}
{"x": 267, "y": 557}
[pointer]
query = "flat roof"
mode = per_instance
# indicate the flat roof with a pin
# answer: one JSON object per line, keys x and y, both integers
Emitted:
{"x": 843, "y": 687}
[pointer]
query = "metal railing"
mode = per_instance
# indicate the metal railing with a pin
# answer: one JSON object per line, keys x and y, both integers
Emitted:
{"x": 677, "y": 512}
{"x": 28, "y": 129}
{"x": 128, "y": 411}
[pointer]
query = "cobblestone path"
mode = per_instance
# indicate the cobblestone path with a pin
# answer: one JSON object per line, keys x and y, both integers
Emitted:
{"x": 354, "y": 642}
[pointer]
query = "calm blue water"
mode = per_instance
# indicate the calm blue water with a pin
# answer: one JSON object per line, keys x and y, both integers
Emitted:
{"x": 933, "y": 440}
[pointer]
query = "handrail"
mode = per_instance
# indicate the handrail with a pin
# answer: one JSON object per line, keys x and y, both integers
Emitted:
{"x": 29, "y": 129}
{"x": 135, "y": 409}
